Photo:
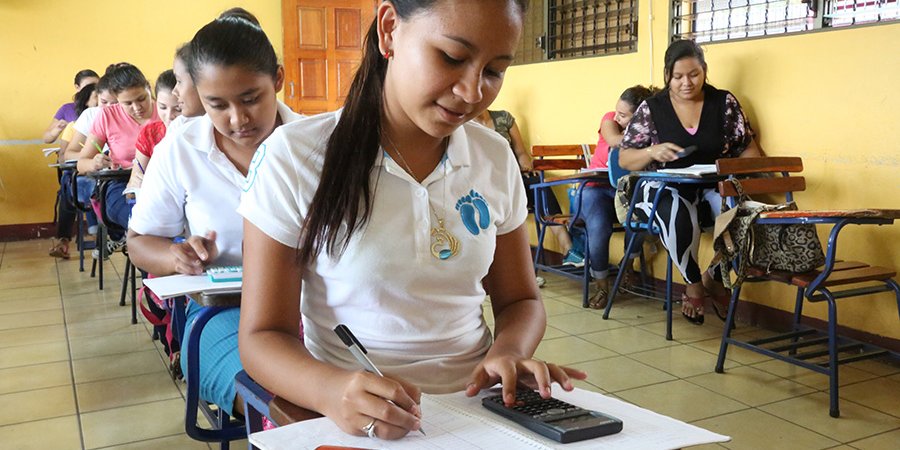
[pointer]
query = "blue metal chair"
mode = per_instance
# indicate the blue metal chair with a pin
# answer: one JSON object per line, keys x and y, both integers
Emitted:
{"x": 828, "y": 283}
{"x": 224, "y": 427}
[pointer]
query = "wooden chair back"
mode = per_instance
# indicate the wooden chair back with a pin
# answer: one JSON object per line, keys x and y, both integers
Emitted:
{"x": 752, "y": 186}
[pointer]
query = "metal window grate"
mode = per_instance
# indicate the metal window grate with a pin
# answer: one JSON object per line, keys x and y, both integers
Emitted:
{"x": 721, "y": 20}
{"x": 586, "y": 28}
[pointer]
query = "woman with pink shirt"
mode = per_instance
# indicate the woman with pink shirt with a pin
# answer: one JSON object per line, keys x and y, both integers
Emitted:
{"x": 597, "y": 200}
{"x": 118, "y": 127}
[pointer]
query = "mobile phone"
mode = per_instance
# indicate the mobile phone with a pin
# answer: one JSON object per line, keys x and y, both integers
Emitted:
{"x": 686, "y": 151}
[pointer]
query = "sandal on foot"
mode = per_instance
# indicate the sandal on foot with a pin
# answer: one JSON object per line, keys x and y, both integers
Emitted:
{"x": 60, "y": 249}
{"x": 697, "y": 305}
{"x": 720, "y": 305}
{"x": 599, "y": 299}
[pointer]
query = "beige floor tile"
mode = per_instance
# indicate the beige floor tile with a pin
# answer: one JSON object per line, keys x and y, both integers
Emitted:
{"x": 583, "y": 322}
{"x": 40, "y": 376}
{"x": 811, "y": 412}
{"x": 750, "y": 386}
{"x": 681, "y": 400}
{"x": 106, "y": 310}
{"x": 637, "y": 311}
{"x": 753, "y": 430}
{"x": 884, "y": 441}
{"x": 27, "y": 355}
{"x": 31, "y": 319}
{"x": 680, "y": 360}
{"x": 100, "y": 327}
{"x": 180, "y": 441}
{"x": 35, "y": 435}
{"x": 116, "y": 366}
{"x": 881, "y": 394}
{"x": 23, "y": 281}
{"x": 94, "y": 297}
{"x": 34, "y": 335}
{"x": 846, "y": 375}
{"x": 553, "y": 333}
{"x": 684, "y": 331}
{"x": 555, "y": 308}
{"x": 126, "y": 391}
{"x": 878, "y": 367}
{"x": 586, "y": 386}
{"x": 570, "y": 349}
{"x": 30, "y": 305}
{"x": 620, "y": 373}
{"x": 37, "y": 405}
{"x": 137, "y": 339}
{"x": 27, "y": 293}
{"x": 734, "y": 353}
{"x": 133, "y": 423}
{"x": 628, "y": 340}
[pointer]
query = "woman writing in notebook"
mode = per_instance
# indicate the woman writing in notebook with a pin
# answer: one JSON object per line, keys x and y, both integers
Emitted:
{"x": 393, "y": 216}
{"x": 194, "y": 182}
{"x": 688, "y": 112}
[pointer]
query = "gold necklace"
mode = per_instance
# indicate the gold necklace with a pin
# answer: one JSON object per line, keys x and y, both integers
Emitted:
{"x": 443, "y": 244}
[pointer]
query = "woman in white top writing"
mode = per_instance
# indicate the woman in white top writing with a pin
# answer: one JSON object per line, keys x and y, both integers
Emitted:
{"x": 394, "y": 216}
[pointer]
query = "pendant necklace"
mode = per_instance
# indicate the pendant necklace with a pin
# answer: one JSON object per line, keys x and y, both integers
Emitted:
{"x": 443, "y": 244}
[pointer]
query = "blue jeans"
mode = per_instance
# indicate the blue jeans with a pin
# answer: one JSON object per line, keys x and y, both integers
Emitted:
{"x": 118, "y": 208}
{"x": 599, "y": 215}
{"x": 85, "y": 187}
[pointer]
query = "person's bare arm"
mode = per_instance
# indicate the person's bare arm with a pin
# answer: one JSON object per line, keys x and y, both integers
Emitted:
{"x": 54, "y": 129}
{"x": 611, "y": 132}
{"x": 273, "y": 354}
{"x": 73, "y": 150}
{"x": 90, "y": 159}
{"x": 137, "y": 170}
{"x": 638, "y": 158}
{"x": 753, "y": 150}
{"x": 523, "y": 156}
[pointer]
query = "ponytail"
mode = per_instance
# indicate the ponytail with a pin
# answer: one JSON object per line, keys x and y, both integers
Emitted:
{"x": 344, "y": 195}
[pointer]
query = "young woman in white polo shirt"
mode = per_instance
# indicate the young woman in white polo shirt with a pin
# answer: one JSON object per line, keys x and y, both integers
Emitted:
{"x": 194, "y": 182}
{"x": 393, "y": 217}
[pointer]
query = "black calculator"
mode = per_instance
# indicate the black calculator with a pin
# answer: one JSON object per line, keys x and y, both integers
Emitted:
{"x": 552, "y": 418}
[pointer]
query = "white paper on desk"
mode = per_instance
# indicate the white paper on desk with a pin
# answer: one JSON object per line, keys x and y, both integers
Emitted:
{"x": 695, "y": 170}
{"x": 595, "y": 170}
{"x": 50, "y": 151}
{"x": 454, "y": 421}
{"x": 177, "y": 285}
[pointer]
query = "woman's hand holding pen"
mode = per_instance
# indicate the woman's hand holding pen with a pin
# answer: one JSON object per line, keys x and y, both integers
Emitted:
{"x": 664, "y": 152}
{"x": 363, "y": 398}
{"x": 101, "y": 161}
{"x": 195, "y": 253}
{"x": 512, "y": 371}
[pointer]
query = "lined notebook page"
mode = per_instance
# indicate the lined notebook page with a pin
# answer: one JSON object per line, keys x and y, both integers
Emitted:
{"x": 454, "y": 421}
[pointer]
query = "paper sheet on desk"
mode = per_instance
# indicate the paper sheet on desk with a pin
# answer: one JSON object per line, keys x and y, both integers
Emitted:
{"x": 176, "y": 285}
{"x": 454, "y": 421}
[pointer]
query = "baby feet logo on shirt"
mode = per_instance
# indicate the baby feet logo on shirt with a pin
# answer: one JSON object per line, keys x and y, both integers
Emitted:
{"x": 254, "y": 165}
{"x": 473, "y": 210}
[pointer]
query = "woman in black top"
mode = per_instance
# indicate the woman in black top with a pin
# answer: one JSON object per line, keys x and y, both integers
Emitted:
{"x": 687, "y": 112}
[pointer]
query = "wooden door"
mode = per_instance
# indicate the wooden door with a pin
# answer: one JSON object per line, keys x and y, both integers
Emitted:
{"x": 323, "y": 44}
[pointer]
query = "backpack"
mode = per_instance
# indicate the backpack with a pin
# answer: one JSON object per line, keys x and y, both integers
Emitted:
{"x": 158, "y": 313}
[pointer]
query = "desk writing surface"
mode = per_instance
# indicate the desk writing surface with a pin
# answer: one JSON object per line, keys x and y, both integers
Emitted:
{"x": 454, "y": 421}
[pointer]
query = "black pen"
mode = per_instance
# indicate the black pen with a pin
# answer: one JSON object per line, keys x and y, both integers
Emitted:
{"x": 359, "y": 352}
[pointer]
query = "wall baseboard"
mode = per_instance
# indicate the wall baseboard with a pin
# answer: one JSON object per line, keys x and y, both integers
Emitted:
{"x": 767, "y": 317}
{"x": 26, "y": 231}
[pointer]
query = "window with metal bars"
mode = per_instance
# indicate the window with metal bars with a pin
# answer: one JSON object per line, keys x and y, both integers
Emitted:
{"x": 563, "y": 29}
{"x": 721, "y": 20}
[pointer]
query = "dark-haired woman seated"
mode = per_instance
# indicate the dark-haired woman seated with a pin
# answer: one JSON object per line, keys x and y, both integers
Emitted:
{"x": 687, "y": 112}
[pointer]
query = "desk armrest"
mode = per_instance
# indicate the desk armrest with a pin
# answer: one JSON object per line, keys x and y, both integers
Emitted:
{"x": 224, "y": 300}
{"x": 835, "y": 213}
{"x": 284, "y": 412}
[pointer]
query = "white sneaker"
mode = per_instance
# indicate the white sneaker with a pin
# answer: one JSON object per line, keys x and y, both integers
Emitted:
{"x": 540, "y": 281}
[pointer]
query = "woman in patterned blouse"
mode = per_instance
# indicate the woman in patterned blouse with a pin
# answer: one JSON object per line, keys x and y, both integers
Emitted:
{"x": 687, "y": 112}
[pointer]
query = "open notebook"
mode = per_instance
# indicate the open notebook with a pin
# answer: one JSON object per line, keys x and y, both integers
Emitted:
{"x": 177, "y": 285}
{"x": 454, "y": 421}
{"x": 697, "y": 170}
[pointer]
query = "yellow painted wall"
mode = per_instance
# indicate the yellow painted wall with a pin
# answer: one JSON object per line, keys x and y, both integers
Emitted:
{"x": 44, "y": 43}
{"x": 830, "y": 97}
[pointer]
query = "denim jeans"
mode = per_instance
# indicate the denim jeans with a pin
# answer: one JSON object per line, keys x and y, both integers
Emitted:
{"x": 599, "y": 215}
{"x": 85, "y": 187}
{"x": 118, "y": 208}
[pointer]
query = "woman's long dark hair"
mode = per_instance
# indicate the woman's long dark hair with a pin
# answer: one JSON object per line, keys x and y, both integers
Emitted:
{"x": 678, "y": 50}
{"x": 83, "y": 97}
{"x": 344, "y": 195}
{"x": 124, "y": 76}
{"x": 233, "y": 39}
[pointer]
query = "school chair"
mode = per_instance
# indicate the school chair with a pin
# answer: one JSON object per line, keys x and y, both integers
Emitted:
{"x": 260, "y": 403}
{"x": 224, "y": 428}
{"x": 805, "y": 346}
{"x": 81, "y": 211}
{"x": 129, "y": 276}
{"x": 560, "y": 158}
{"x": 638, "y": 227}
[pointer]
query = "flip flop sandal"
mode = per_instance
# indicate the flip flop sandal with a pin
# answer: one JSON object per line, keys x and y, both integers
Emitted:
{"x": 697, "y": 304}
{"x": 599, "y": 299}
{"x": 720, "y": 306}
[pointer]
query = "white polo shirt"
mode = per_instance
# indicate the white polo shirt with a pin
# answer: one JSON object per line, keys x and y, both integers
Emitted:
{"x": 191, "y": 187}
{"x": 419, "y": 317}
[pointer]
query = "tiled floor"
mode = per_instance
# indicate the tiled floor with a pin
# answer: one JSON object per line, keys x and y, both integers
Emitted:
{"x": 74, "y": 373}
